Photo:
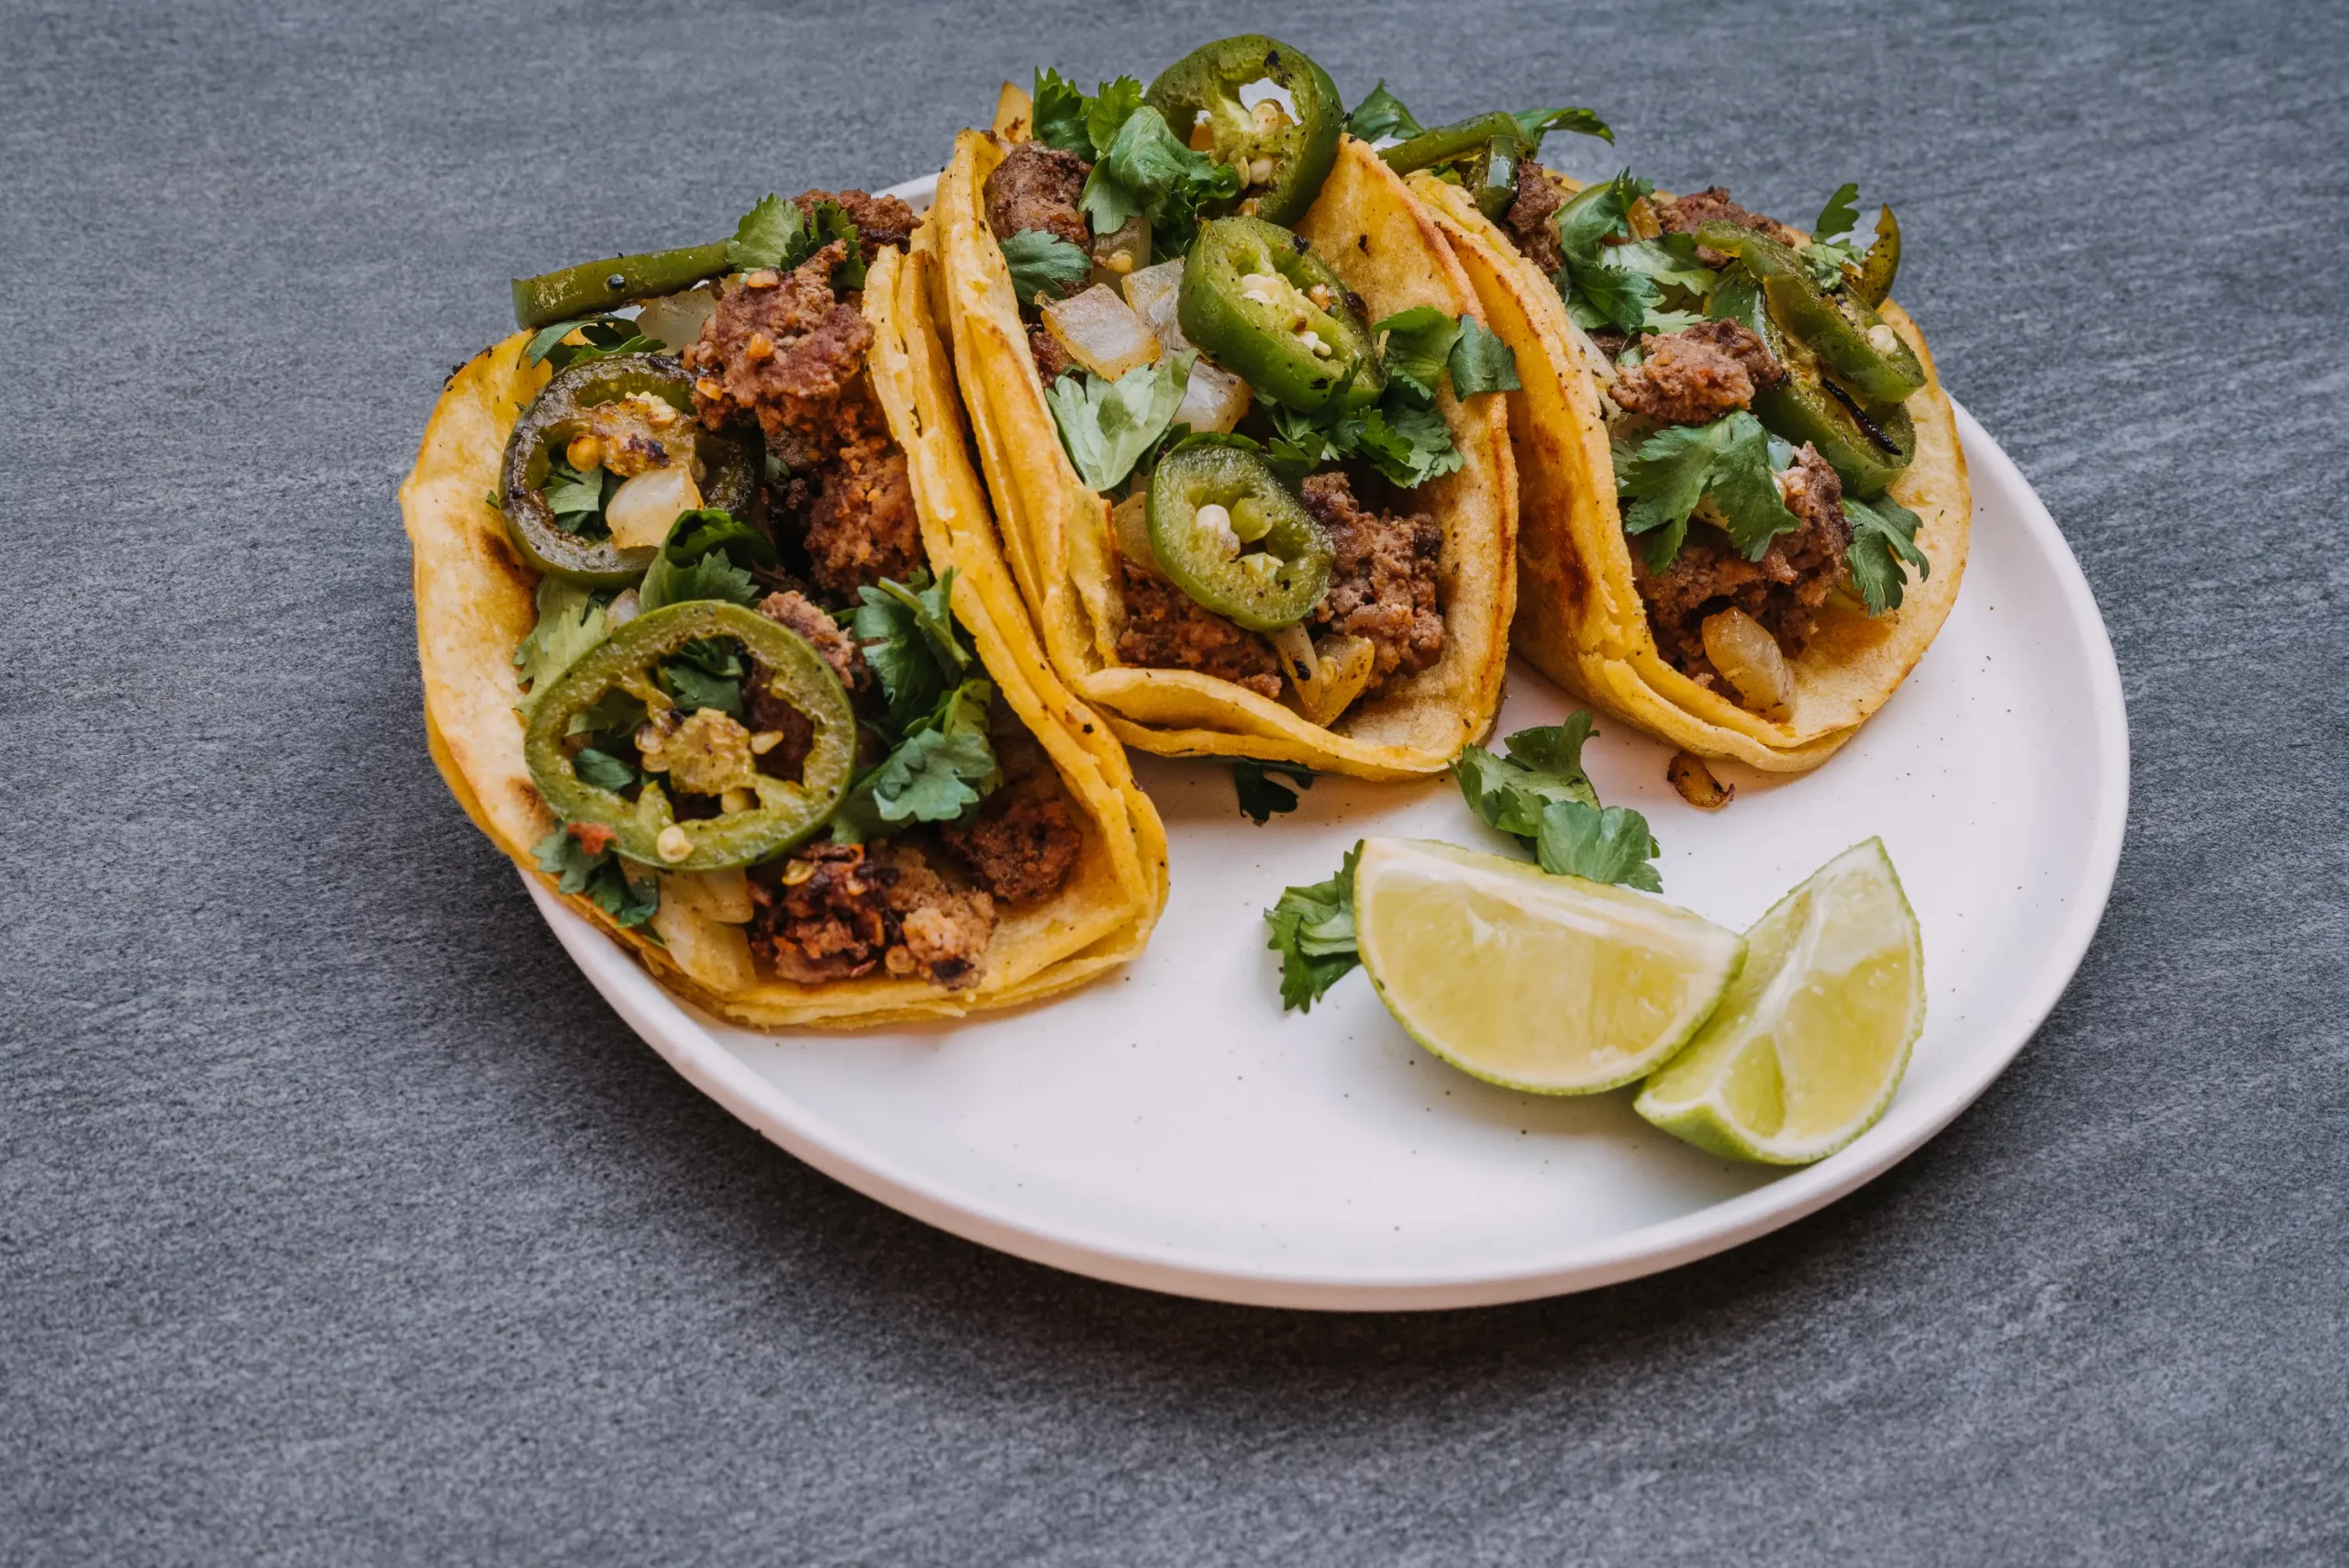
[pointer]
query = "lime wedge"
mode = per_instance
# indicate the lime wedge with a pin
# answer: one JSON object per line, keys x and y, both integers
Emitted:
{"x": 1548, "y": 984}
{"x": 1812, "y": 1041}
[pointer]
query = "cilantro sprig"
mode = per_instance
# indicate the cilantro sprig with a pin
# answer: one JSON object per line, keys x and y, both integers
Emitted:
{"x": 1611, "y": 279}
{"x": 1313, "y": 930}
{"x": 611, "y": 883}
{"x": 1539, "y": 794}
{"x": 1884, "y": 535}
{"x": 941, "y": 763}
{"x": 1044, "y": 264}
{"x": 1729, "y": 459}
{"x": 1140, "y": 168}
{"x": 778, "y": 234}
{"x": 1264, "y": 796}
{"x": 606, "y": 335}
{"x": 1106, "y": 426}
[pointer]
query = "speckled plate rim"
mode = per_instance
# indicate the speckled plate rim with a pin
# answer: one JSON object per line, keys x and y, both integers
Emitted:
{"x": 682, "y": 1036}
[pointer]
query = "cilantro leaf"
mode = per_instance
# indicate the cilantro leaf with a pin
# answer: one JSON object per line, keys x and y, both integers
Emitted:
{"x": 1044, "y": 264}
{"x": 776, "y": 233}
{"x": 1107, "y": 425}
{"x": 1675, "y": 468}
{"x": 1597, "y": 292}
{"x": 1882, "y": 531}
{"x": 1841, "y": 215}
{"x": 696, "y": 688}
{"x": 604, "y": 877}
{"x": 1059, "y": 114}
{"x": 907, "y": 633}
{"x": 1313, "y": 930}
{"x": 766, "y": 235}
{"x": 938, "y": 770}
{"x": 1538, "y": 123}
{"x": 1480, "y": 361}
{"x": 1408, "y": 445}
{"x": 602, "y": 770}
{"x": 1669, "y": 258}
{"x": 1418, "y": 343}
{"x": 706, "y": 556}
{"x": 1382, "y": 113}
{"x": 1105, "y": 113}
{"x": 1543, "y": 765}
{"x": 936, "y": 775}
{"x": 571, "y": 621}
{"x": 1746, "y": 490}
{"x": 1541, "y": 794}
{"x": 1263, "y": 797}
{"x": 1612, "y": 845}
{"x": 577, "y": 499}
{"x": 1148, "y": 172}
{"x": 606, "y": 335}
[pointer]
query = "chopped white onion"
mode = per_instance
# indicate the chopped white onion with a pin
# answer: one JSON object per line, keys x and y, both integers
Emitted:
{"x": 643, "y": 509}
{"x": 719, "y": 895}
{"x": 1340, "y": 668}
{"x": 715, "y": 952}
{"x": 1154, "y": 293}
{"x": 1215, "y": 400}
{"x": 675, "y": 320}
{"x": 1101, "y": 332}
{"x": 1749, "y": 657}
{"x": 625, "y": 607}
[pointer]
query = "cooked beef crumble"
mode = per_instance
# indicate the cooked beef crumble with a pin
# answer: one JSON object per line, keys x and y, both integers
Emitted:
{"x": 1383, "y": 582}
{"x": 1168, "y": 630}
{"x": 1023, "y": 844}
{"x": 839, "y": 911}
{"x": 880, "y": 220}
{"x": 1037, "y": 186}
{"x": 1712, "y": 205}
{"x": 1695, "y": 377}
{"x": 1528, "y": 221}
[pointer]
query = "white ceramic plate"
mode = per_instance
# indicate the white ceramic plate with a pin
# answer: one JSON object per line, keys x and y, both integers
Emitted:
{"x": 1170, "y": 1129}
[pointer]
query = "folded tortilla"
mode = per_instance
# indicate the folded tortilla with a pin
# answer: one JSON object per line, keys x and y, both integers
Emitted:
{"x": 1056, "y": 530}
{"x": 1580, "y": 620}
{"x": 474, "y": 602}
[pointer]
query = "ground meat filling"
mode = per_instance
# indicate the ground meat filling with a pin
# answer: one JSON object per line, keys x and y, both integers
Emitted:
{"x": 1037, "y": 186}
{"x": 1712, "y": 205}
{"x": 863, "y": 525}
{"x": 824, "y": 634}
{"x": 1529, "y": 218}
{"x": 1168, "y": 630}
{"x": 782, "y": 350}
{"x": 1022, "y": 844}
{"x": 880, "y": 220}
{"x": 1695, "y": 377}
{"x": 1783, "y": 590}
{"x": 1383, "y": 582}
{"x": 1052, "y": 362}
{"x": 841, "y": 911}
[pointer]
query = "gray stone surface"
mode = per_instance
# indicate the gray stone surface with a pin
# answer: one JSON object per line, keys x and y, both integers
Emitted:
{"x": 340, "y": 1222}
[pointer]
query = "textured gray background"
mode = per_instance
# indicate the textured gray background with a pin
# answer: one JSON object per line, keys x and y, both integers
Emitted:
{"x": 340, "y": 1222}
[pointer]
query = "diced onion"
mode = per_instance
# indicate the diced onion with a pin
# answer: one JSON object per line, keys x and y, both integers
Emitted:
{"x": 1101, "y": 333}
{"x": 1335, "y": 674}
{"x": 713, "y": 951}
{"x": 1152, "y": 293}
{"x": 1214, "y": 400}
{"x": 719, "y": 895}
{"x": 675, "y": 320}
{"x": 643, "y": 509}
{"x": 1748, "y": 657}
{"x": 625, "y": 607}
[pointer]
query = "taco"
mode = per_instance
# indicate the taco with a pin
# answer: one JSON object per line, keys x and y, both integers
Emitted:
{"x": 1744, "y": 511}
{"x": 716, "y": 642}
{"x": 1240, "y": 414}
